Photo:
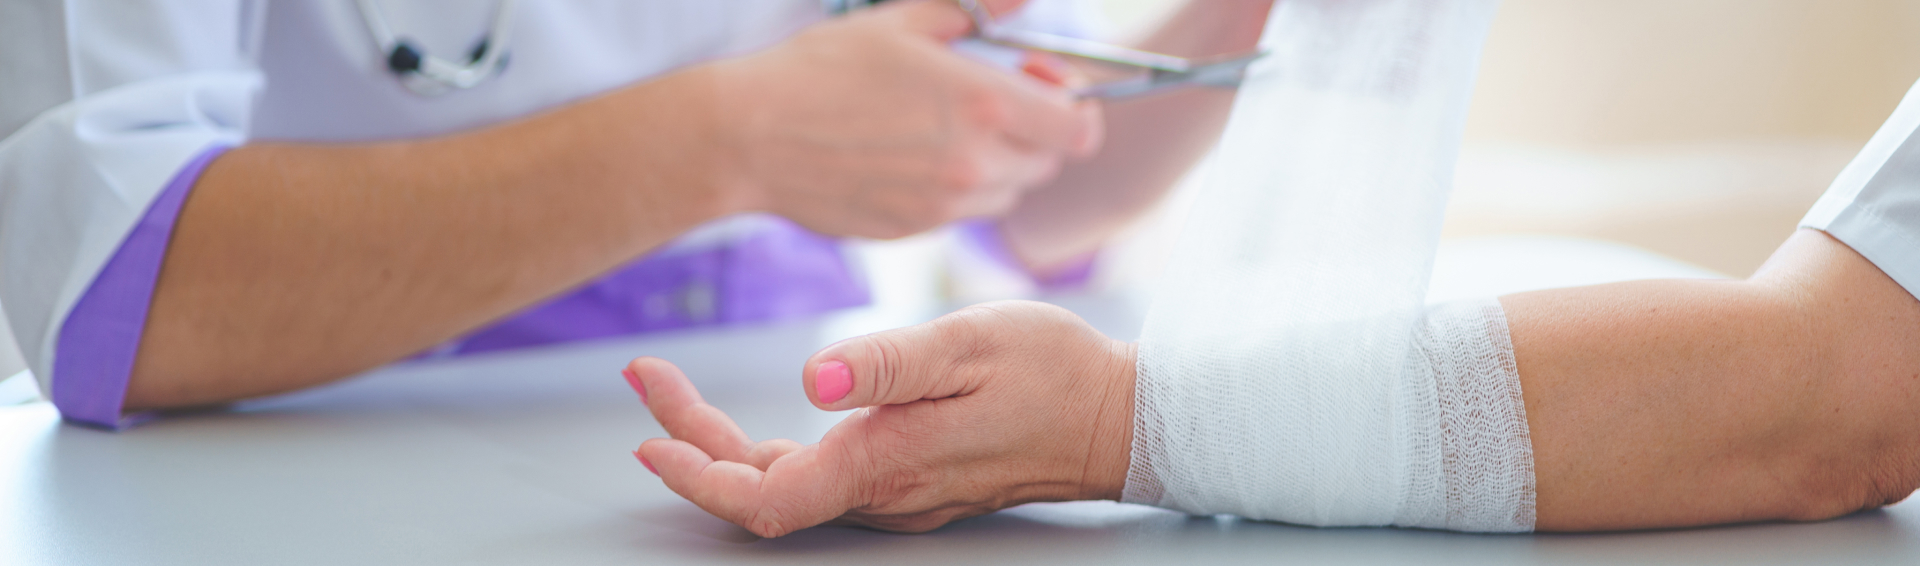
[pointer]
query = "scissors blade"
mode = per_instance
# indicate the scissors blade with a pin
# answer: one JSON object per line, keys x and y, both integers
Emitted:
{"x": 1163, "y": 71}
{"x": 1225, "y": 72}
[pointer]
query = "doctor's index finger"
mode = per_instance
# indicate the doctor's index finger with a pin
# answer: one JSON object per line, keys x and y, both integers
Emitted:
{"x": 1038, "y": 114}
{"x": 1032, "y": 110}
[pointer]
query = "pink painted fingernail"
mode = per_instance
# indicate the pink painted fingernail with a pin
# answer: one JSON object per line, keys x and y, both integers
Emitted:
{"x": 644, "y": 462}
{"x": 634, "y": 380}
{"x": 832, "y": 381}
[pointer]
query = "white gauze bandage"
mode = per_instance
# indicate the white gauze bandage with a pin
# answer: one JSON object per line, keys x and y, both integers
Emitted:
{"x": 1289, "y": 369}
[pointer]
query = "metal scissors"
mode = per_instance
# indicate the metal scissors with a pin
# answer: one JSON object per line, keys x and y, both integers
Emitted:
{"x": 1163, "y": 72}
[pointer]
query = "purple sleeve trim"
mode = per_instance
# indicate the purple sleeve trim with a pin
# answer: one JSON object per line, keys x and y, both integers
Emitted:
{"x": 985, "y": 235}
{"x": 94, "y": 356}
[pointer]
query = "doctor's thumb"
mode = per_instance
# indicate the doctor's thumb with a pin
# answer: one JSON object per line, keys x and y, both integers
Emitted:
{"x": 897, "y": 366}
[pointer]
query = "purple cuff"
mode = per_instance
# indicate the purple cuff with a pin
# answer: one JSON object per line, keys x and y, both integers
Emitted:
{"x": 94, "y": 355}
{"x": 781, "y": 272}
{"x": 985, "y": 235}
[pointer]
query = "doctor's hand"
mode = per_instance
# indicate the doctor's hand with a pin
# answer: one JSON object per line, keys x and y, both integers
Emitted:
{"x": 872, "y": 125}
{"x": 986, "y": 408}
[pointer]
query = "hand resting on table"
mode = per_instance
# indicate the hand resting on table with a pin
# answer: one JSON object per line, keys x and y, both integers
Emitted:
{"x": 989, "y": 407}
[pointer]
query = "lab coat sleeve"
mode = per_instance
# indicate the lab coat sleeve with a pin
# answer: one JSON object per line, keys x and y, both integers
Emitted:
{"x": 154, "y": 90}
{"x": 1874, "y": 205}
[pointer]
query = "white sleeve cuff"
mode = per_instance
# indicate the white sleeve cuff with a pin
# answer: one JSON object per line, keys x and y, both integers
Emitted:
{"x": 75, "y": 179}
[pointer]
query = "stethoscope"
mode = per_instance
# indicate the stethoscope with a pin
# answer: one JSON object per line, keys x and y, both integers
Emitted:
{"x": 432, "y": 76}
{"x": 428, "y": 75}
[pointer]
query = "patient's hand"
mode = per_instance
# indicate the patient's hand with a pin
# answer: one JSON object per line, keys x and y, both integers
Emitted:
{"x": 986, "y": 408}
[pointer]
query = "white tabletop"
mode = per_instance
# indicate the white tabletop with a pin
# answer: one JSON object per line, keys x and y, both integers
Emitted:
{"x": 524, "y": 458}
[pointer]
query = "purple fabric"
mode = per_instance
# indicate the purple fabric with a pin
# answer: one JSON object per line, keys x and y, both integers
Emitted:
{"x": 778, "y": 273}
{"x": 96, "y": 348}
{"x": 985, "y": 234}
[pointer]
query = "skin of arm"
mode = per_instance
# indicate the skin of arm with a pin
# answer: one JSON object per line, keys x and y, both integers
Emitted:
{"x": 1793, "y": 395}
{"x": 1151, "y": 142}
{"x": 1788, "y": 396}
{"x": 409, "y": 243}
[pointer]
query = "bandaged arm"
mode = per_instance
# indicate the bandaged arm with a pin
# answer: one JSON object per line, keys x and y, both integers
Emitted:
{"x": 1787, "y": 396}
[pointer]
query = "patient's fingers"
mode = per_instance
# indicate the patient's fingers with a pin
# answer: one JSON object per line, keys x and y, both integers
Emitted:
{"x": 798, "y": 490}
{"x": 765, "y": 452}
{"x": 677, "y": 405}
{"x": 806, "y": 487}
{"x": 904, "y": 365}
{"x": 728, "y": 490}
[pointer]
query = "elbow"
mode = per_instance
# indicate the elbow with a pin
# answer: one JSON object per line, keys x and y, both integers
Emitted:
{"x": 1859, "y": 450}
{"x": 1839, "y": 490}
{"x": 1850, "y": 450}
{"x": 1856, "y": 445}
{"x": 1850, "y": 438}
{"x": 1841, "y": 448}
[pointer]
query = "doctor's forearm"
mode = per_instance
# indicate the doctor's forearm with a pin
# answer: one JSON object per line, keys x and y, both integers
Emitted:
{"x": 295, "y": 264}
{"x": 1151, "y": 143}
{"x": 1791, "y": 396}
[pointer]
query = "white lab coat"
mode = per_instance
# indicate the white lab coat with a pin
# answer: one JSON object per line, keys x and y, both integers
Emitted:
{"x": 1874, "y": 205}
{"x": 103, "y": 101}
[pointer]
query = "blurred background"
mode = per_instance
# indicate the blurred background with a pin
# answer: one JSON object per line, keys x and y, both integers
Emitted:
{"x": 1698, "y": 129}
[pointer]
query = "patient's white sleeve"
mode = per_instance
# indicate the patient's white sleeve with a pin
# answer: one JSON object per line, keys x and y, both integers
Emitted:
{"x": 1874, "y": 204}
{"x": 1289, "y": 368}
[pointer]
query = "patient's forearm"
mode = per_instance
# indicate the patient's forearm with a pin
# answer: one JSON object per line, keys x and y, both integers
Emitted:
{"x": 1794, "y": 395}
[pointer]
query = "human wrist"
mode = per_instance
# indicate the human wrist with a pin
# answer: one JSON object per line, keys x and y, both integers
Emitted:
{"x": 1112, "y": 451}
{"x": 725, "y": 94}
{"x": 668, "y": 134}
